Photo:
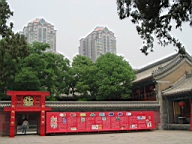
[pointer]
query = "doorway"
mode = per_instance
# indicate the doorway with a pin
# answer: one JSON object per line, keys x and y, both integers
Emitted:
{"x": 33, "y": 119}
{"x": 181, "y": 111}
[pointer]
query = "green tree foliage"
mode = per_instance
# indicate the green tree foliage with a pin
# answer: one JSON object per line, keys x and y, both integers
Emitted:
{"x": 43, "y": 71}
{"x": 90, "y": 79}
{"x": 83, "y": 78}
{"x": 38, "y": 47}
{"x": 5, "y": 14}
{"x": 154, "y": 18}
{"x": 71, "y": 81}
{"x": 114, "y": 77}
{"x": 13, "y": 48}
{"x": 56, "y": 73}
{"x": 26, "y": 79}
{"x": 110, "y": 77}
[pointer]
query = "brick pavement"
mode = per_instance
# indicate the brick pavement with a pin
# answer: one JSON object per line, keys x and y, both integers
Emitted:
{"x": 145, "y": 137}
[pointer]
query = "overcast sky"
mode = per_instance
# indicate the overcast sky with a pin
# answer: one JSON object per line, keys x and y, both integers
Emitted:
{"x": 74, "y": 19}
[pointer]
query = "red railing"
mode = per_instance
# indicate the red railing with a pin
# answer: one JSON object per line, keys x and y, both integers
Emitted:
{"x": 144, "y": 97}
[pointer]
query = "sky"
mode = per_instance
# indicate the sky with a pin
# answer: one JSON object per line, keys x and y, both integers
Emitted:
{"x": 75, "y": 19}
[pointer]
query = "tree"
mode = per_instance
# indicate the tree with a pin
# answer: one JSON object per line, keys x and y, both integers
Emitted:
{"x": 114, "y": 77}
{"x": 38, "y": 47}
{"x": 5, "y": 14}
{"x": 26, "y": 79}
{"x": 13, "y": 49}
{"x": 85, "y": 72}
{"x": 42, "y": 71}
{"x": 29, "y": 74}
{"x": 27, "y": 66}
{"x": 154, "y": 18}
{"x": 77, "y": 79}
{"x": 71, "y": 81}
{"x": 55, "y": 74}
{"x": 90, "y": 79}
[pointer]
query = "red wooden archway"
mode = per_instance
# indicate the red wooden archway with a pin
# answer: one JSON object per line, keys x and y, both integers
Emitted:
{"x": 27, "y": 101}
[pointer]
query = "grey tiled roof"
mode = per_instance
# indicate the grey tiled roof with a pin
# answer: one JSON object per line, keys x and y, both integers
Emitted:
{"x": 103, "y": 105}
{"x": 160, "y": 67}
{"x": 69, "y": 104}
{"x": 150, "y": 69}
{"x": 147, "y": 73}
{"x": 5, "y": 104}
{"x": 178, "y": 60}
{"x": 183, "y": 85}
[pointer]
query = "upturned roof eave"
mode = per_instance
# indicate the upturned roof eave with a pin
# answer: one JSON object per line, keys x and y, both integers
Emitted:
{"x": 143, "y": 79}
{"x": 157, "y": 66}
{"x": 178, "y": 59}
{"x": 177, "y": 93}
{"x": 156, "y": 63}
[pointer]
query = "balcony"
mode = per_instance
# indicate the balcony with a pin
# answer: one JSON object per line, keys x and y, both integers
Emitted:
{"x": 144, "y": 97}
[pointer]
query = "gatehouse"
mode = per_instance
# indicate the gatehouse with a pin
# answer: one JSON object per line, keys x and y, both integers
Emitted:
{"x": 27, "y": 104}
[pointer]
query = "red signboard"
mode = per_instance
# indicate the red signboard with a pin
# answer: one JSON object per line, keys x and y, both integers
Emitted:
{"x": 61, "y": 122}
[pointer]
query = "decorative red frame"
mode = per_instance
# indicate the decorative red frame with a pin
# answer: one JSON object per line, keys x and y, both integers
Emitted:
{"x": 17, "y": 106}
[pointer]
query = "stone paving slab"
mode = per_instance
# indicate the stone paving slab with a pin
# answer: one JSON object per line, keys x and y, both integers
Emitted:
{"x": 139, "y": 137}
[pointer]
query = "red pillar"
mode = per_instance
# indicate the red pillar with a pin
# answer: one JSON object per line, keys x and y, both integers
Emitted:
{"x": 42, "y": 116}
{"x": 12, "y": 117}
{"x": 12, "y": 123}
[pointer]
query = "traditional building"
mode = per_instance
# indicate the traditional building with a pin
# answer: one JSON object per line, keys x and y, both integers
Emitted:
{"x": 178, "y": 103}
{"x": 168, "y": 81}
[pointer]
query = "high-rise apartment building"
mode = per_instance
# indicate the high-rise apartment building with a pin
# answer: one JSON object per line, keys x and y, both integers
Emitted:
{"x": 98, "y": 42}
{"x": 42, "y": 31}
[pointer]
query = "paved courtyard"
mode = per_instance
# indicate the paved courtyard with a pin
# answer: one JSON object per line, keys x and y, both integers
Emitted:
{"x": 145, "y": 137}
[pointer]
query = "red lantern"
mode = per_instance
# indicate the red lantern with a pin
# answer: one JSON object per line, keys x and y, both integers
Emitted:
{"x": 181, "y": 103}
{"x": 151, "y": 87}
{"x": 138, "y": 91}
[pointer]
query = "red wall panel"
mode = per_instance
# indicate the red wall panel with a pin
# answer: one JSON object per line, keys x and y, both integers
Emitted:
{"x": 62, "y": 122}
{"x": 4, "y": 123}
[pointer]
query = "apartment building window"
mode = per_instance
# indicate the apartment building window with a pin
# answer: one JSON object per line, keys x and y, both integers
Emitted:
{"x": 44, "y": 35}
{"x": 108, "y": 46}
{"x": 40, "y": 34}
{"x": 26, "y": 34}
{"x": 31, "y": 37}
{"x": 114, "y": 42}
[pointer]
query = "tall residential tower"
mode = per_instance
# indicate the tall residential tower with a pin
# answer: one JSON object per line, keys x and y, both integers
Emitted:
{"x": 98, "y": 42}
{"x": 41, "y": 31}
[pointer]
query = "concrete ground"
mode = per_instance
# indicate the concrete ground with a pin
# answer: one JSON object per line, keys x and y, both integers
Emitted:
{"x": 136, "y": 137}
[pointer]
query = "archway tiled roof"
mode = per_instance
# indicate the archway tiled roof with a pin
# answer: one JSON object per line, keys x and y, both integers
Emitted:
{"x": 183, "y": 85}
